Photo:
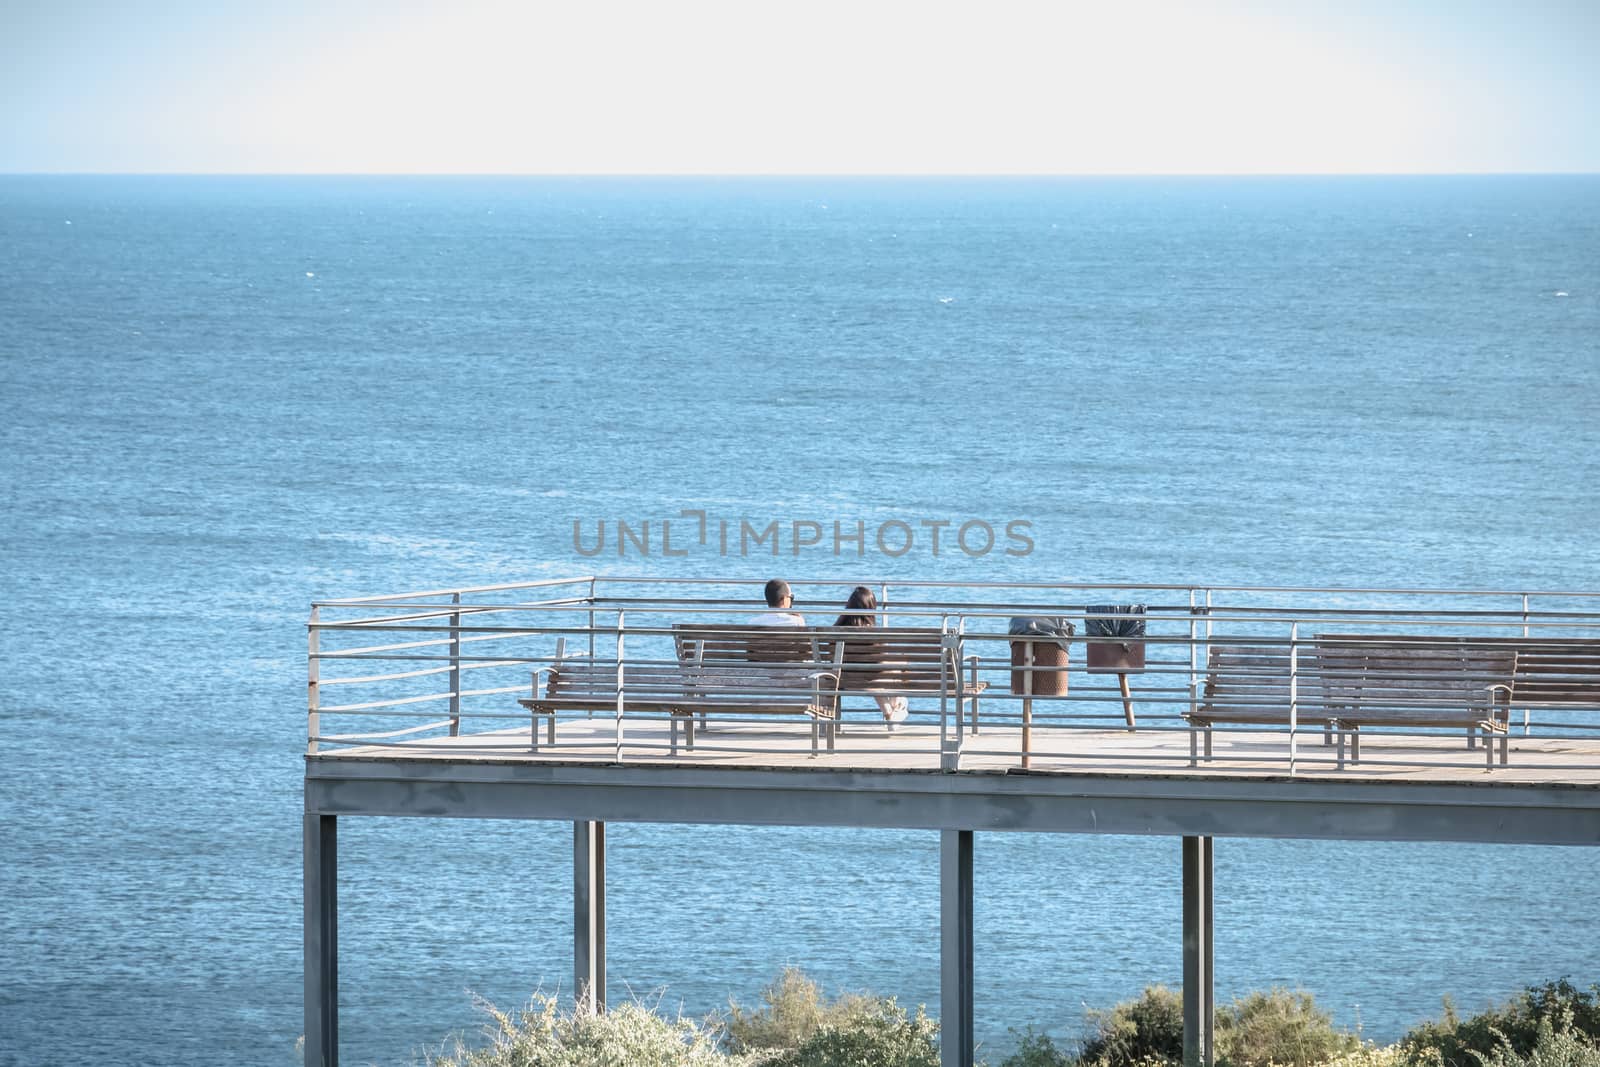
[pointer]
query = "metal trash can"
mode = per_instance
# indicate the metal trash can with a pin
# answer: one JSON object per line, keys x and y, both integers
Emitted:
{"x": 1049, "y": 655}
{"x": 1125, "y": 624}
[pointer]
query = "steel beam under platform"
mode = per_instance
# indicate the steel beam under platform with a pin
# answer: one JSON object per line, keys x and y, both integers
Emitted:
{"x": 1199, "y": 988}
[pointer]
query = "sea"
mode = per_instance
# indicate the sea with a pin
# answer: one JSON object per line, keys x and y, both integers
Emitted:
{"x": 224, "y": 397}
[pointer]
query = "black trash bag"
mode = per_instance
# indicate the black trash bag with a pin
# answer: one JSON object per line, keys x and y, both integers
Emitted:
{"x": 1130, "y": 623}
{"x": 1042, "y": 626}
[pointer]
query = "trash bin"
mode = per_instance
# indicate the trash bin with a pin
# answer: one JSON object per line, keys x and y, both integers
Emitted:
{"x": 1049, "y": 655}
{"x": 1125, "y": 624}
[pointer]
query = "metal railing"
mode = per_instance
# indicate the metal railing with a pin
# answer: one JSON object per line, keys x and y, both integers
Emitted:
{"x": 1240, "y": 679}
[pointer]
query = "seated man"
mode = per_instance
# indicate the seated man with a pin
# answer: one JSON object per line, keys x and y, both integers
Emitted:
{"x": 778, "y": 598}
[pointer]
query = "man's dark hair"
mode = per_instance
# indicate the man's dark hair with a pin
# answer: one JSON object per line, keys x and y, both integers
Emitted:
{"x": 777, "y": 589}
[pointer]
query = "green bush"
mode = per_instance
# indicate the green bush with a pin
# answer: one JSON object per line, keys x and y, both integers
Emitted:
{"x": 1138, "y": 1032}
{"x": 1037, "y": 1050}
{"x": 1455, "y": 1042}
{"x": 1565, "y": 1047}
{"x": 792, "y": 1010}
{"x": 880, "y": 1034}
{"x": 1278, "y": 1027}
{"x": 541, "y": 1035}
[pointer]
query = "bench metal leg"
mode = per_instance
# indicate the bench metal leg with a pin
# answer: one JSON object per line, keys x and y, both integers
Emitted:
{"x": 1355, "y": 744}
{"x": 1505, "y": 745}
{"x": 1336, "y": 727}
{"x": 1472, "y": 737}
{"x": 688, "y": 731}
{"x": 672, "y": 735}
{"x": 551, "y": 739}
{"x": 1194, "y": 746}
{"x": 535, "y": 731}
{"x": 1208, "y": 742}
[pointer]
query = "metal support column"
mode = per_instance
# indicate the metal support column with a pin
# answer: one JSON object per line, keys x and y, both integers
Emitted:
{"x": 1199, "y": 1047}
{"x": 1208, "y": 985}
{"x": 955, "y": 948}
{"x": 321, "y": 940}
{"x": 589, "y": 915}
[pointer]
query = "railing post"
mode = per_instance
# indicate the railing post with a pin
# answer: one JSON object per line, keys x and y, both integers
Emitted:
{"x": 620, "y": 700}
{"x": 1294, "y": 693}
{"x": 1027, "y": 701}
{"x": 883, "y": 604}
{"x": 455, "y": 666}
{"x": 1527, "y": 713}
{"x": 313, "y": 683}
{"x": 949, "y": 749}
{"x": 593, "y": 585}
{"x": 1194, "y": 674}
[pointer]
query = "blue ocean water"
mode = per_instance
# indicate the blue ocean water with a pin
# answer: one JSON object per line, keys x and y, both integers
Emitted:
{"x": 222, "y": 398}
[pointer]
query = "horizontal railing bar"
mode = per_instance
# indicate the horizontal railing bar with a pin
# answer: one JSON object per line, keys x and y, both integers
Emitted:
{"x": 381, "y": 677}
{"x": 436, "y": 725}
{"x": 969, "y": 610}
{"x": 538, "y": 584}
{"x": 430, "y": 643}
{"x": 466, "y": 665}
{"x": 914, "y": 583}
{"x": 395, "y": 703}
{"x": 667, "y": 629}
{"x": 441, "y": 658}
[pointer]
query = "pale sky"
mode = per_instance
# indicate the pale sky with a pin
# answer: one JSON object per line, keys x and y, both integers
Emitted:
{"x": 761, "y": 87}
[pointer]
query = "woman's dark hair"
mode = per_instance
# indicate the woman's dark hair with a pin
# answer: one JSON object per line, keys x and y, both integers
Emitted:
{"x": 861, "y": 598}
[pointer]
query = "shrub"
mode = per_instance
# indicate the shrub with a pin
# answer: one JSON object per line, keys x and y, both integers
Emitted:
{"x": 1037, "y": 1050}
{"x": 792, "y": 1010}
{"x": 1137, "y": 1032}
{"x": 1455, "y": 1042}
{"x": 1279, "y": 1027}
{"x": 541, "y": 1035}
{"x": 881, "y": 1034}
{"x": 1370, "y": 1056}
{"x": 1282, "y": 1028}
{"x": 1565, "y": 1047}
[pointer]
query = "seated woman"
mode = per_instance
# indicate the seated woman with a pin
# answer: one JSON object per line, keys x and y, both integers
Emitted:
{"x": 861, "y": 599}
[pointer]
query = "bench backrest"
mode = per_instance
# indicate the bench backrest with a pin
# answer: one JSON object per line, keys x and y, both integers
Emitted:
{"x": 581, "y": 678}
{"x": 1403, "y": 671}
{"x": 898, "y": 659}
{"x": 1553, "y": 671}
{"x": 1557, "y": 672}
{"x": 1245, "y": 681}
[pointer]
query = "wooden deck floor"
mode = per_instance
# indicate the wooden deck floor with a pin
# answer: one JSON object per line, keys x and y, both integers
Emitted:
{"x": 914, "y": 747}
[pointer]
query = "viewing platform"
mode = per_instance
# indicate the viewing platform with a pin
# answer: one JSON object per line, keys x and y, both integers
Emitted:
{"x": 1194, "y": 712}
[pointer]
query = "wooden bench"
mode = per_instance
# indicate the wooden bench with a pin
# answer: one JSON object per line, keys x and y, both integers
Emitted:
{"x": 1550, "y": 672}
{"x": 740, "y": 669}
{"x": 1554, "y": 672}
{"x": 1426, "y": 682}
{"x": 746, "y": 669}
{"x": 775, "y": 676}
{"x": 1557, "y": 672}
{"x": 868, "y": 661}
{"x": 1345, "y": 681}
{"x": 578, "y": 683}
